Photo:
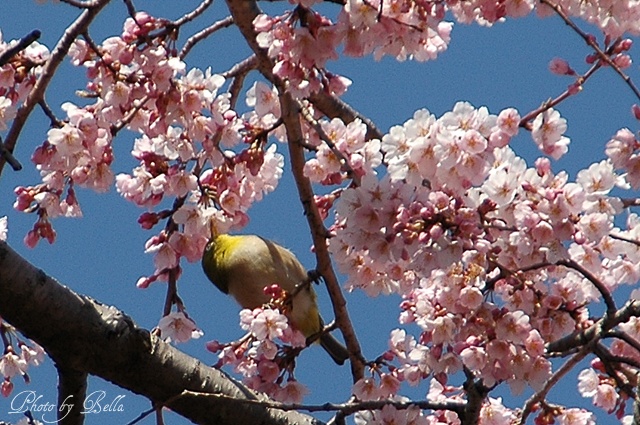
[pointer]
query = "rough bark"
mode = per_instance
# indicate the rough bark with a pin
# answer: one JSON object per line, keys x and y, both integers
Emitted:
{"x": 83, "y": 335}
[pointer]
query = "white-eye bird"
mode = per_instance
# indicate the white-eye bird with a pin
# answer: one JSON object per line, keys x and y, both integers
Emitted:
{"x": 243, "y": 265}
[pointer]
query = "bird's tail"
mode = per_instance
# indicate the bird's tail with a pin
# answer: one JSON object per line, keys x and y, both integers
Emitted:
{"x": 335, "y": 348}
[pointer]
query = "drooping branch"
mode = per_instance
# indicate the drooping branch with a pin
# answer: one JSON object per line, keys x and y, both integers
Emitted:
{"x": 86, "y": 336}
{"x": 597, "y": 283}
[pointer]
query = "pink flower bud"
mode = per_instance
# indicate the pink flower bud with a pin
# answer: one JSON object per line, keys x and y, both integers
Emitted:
{"x": 623, "y": 61}
{"x": 31, "y": 239}
{"x": 6, "y": 388}
{"x": 147, "y": 220}
{"x": 560, "y": 66}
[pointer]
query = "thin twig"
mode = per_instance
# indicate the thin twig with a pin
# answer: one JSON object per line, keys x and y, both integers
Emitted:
{"x": 596, "y": 331}
{"x": 55, "y": 122}
{"x": 319, "y": 233}
{"x": 8, "y": 156}
{"x": 22, "y": 44}
{"x": 630, "y": 202}
{"x": 606, "y": 294}
{"x": 193, "y": 14}
{"x": 623, "y": 239}
{"x": 235, "y": 88}
{"x": 607, "y": 359}
{"x": 202, "y": 34}
{"x": 98, "y": 52}
{"x": 115, "y": 128}
{"x": 592, "y": 43}
{"x": 81, "y": 4}
{"x": 625, "y": 337}
{"x": 344, "y": 162}
{"x": 332, "y": 106}
{"x": 553, "y": 380}
{"x": 525, "y": 121}
{"x": 142, "y": 415}
{"x": 241, "y": 67}
{"x": 131, "y": 9}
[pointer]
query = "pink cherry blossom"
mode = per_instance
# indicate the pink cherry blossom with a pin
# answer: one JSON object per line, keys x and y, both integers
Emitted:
{"x": 292, "y": 392}
{"x": 12, "y": 365}
{"x": 548, "y": 131}
{"x": 575, "y": 416}
{"x": 178, "y": 327}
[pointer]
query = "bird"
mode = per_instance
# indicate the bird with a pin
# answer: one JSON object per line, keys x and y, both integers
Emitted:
{"x": 243, "y": 265}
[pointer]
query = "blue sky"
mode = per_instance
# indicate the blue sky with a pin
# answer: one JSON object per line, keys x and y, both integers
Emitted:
{"x": 101, "y": 255}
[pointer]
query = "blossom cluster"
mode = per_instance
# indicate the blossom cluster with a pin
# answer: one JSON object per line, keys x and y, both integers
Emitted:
{"x": 493, "y": 258}
{"x": 18, "y": 76}
{"x": 16, "y": 363}
{"x": 302, "y": 41}
{"x": 184, "y": 127}
{"x": 345, "y": 154}
{"x": 264, "y": 357}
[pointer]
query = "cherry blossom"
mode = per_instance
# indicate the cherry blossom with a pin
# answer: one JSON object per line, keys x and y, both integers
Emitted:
{"x": 547, "y": 133}
{"x": 178, "y": 327}
{"x": 574, "y": 416}
{"x": 12, "y": 365}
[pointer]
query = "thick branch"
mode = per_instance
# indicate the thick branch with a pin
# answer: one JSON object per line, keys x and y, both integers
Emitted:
{"x": 86, "y": 336}
{"x": 352, "y": 407}
{"x": 72, "y": 390}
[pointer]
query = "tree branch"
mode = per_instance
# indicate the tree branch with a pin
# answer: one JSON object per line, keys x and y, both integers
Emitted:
{"x": 350, "y": 407}
{"x": 244, "y": 13}
{"x": 202, "y": 34}
{"x": 319, "y": 233}
{"x": 89, "y": 337}
{"x": 596, "y": 331}
{"x": 22, "y": 44}
{"x": 540, "y": 395}
{"x": 72, "y": 391}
